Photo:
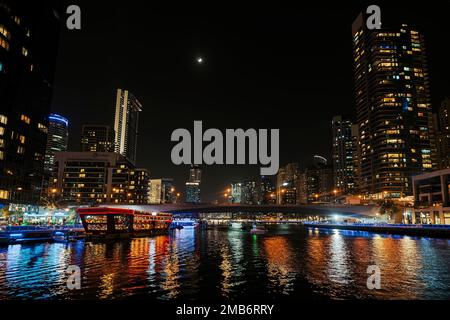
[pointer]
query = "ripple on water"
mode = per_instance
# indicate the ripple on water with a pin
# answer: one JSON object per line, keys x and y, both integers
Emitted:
{"x": 288, "y": 262}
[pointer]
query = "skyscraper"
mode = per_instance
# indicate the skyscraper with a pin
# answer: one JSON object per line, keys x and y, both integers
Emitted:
{"x": 97, "y": 138}
{"x": 393, "y": 108}
{"x": 162, "y": 191}
{"x": 126, "y": 123}
{"x": 29, "y": 33}
{"x": 236, "y": 192}
{"x": 286, "y": 191}
{"x": 195, "y": 174}
{"x": 249, "y": 192}
{"x": 192, "y": 192}
{"x": 443, "y": 137}
{"x": 57, "y": 139}
{"x": 267, "y": 190}
{"x": 193, "y": 185}
{"x": 343, "y": 158}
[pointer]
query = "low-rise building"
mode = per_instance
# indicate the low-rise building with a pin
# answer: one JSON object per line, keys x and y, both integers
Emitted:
{"x": 431, "y": 197}
{"x": 98, "y": 177}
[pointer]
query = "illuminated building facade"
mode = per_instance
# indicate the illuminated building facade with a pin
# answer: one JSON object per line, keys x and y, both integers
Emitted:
{"x": 97, "y": 138}
{"x": 57, "y": 139}
{"x": 443, "y": 135}
{"x": 431, "y": 198}
{"x": 193, "y": 185}
{"x": 162, "y": 191}
{"x": 267, "y": 190}
{"x": 195, "y": 174}
{"x": 29, "y": 33}
{"x": 126, "y": 123}
{"x": 236, "y": 192}
{"x": 343, "y": 155}
{"x": 98, "y": 177}
{"x": 393, "y": 108}
{"x": 155, "y": 193}
{"x": 193, "y": 192}
{"x": 249, "y": 193}
{"x": 287, "y": 180}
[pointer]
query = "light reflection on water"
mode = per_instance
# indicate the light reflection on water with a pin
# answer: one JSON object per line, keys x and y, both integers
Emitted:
{"x": 288, "y": 262}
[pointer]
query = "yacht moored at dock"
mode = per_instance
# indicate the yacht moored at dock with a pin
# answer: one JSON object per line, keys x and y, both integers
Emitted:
{"x": 104, "y": 222}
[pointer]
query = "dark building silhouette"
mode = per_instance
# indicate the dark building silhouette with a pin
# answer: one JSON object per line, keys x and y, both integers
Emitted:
{"x": 97, "y": 138}
{"x": 29, "y": 33}
{"x": 443, "y": 135}
{"x": 343, "y": 155}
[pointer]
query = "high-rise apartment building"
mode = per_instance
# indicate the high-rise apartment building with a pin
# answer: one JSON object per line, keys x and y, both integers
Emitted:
{"x": 97, "y": 138}
{"x": 57, "y": 139}
{"x": 393, "y": 108}
{"x": 286, "y": 189}
{"x": 126, "y": 124}
{"x": 29, "y": 33}
{"x": 193, "y": 185}
{"x": 343, "y": 157}
{"x": 267, "y": 191}
{"x": 443, "y": 135}
{"x": 193, "y": 192}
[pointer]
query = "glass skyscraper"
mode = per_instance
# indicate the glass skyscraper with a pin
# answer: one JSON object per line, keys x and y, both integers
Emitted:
{"x": 393, "y": 108}
{"x": 58, "y": 135}
{"x": 343, "y": 159}
{"x": 126, "y": 123}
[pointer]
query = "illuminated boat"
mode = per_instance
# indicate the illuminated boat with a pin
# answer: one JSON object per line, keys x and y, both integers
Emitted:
{"x": 99, "y": 222}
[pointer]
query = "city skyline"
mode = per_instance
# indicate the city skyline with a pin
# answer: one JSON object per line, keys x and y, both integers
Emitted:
{"x": 175, "y": 88}
{"x": 192, "y": 158}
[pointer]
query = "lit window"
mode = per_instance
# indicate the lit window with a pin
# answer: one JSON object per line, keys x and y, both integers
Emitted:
{"x": 20, "y": 150}
{"x": 5, "y": 32}
{"x": 3, "y": 119}
{"x": 3, "y": 193}
{"x": 4, "y": 44}
{"x": 22, "y": 139}
{"x": 42, "y": 127}
{"x": 25, "y": 119}
{"x": 25, "y": 52}
{"x": 2, "y": 131}
{"x": 2, "y": 143}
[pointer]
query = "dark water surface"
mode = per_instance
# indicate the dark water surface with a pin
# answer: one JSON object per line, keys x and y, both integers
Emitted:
{"x": 286, "y": 263}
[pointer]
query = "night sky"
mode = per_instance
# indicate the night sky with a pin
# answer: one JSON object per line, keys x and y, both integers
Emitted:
{"x": 288, "y": 68}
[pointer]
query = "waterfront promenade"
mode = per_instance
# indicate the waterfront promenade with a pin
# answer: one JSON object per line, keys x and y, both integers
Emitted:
{"x": 437, "y": 231}
{"x": 24, "y": 234}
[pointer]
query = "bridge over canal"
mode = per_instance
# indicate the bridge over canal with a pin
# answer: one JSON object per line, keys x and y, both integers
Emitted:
{"x": 307, "y": 210}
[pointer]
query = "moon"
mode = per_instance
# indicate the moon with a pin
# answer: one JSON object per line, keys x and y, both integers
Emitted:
{"x": 200, "y": 60}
